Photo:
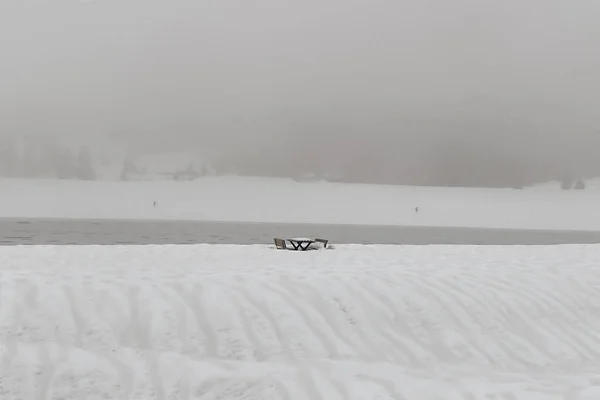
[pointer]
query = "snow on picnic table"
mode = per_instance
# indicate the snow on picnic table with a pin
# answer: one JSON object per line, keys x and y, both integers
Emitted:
{"x": 358, "y": 322}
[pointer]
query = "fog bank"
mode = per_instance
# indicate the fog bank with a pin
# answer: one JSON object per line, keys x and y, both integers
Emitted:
{"x": 405, "y": 91}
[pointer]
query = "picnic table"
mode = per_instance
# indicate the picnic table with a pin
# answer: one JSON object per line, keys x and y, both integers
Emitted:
{"x": 299, "y": 243}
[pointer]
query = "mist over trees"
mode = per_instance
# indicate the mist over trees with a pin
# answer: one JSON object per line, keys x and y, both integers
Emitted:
{"x": 467, "y": 93}
{"x": 420, "y": 152}
{"x": 31, "y": 159}
{"x": 331, "y": 156}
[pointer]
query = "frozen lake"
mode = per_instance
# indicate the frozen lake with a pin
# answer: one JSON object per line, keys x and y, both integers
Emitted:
{"x": 111, "y": 232}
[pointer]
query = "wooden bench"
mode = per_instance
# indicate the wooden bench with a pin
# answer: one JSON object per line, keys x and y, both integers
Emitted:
{"x": 280, "y": 244}
{"x": 324, "y": 241}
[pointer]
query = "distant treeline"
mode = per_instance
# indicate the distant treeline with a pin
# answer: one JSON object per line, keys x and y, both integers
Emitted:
{"x": 47, "y": 160}
{"x": 329, "y": 158}
{"x": 448, "y": 164}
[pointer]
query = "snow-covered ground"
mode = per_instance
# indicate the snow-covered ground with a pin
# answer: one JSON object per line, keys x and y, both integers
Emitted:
{"x": 357, "y": 322}
{"x": 280, "y": 200}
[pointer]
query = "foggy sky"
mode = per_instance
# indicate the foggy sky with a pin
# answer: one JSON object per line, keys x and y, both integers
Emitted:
{"x": 522, "y": 76}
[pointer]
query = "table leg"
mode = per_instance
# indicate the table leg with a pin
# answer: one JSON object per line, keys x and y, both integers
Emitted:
{"x": 306, "y": 246}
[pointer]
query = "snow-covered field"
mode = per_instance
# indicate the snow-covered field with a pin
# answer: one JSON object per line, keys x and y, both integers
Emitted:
{"x": 357, "y": 322}
{"x": 279, "y": 200}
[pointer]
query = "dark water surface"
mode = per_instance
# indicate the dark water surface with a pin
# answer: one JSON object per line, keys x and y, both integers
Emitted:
{"x": 105, "y": 232}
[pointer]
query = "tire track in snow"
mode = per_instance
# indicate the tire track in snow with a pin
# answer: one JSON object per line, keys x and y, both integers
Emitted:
{"x": 505, "y": 318}
{"x": 389, "y": 343}
{"x": 435, "y": 343}
{"x": 569, "y": 334}
{"x": 136, "y": 336}
{"x": 541, "y": 301}
{"x": 479, "y": 314}
{"x": 525, "y": 334}
{"x": 399, "y": 324}
{"x": 308, "y": 384}
{"x": 125, "y": 374}
{"x": 46, "y": 370}
{"x": 387, "y": 385}
{"x": 153, "y": 366}
{"x": 285, "y": 347}
{"x": 341, "y": 388}
{"x": 309, "y": 323}
{"x": 467, "y": 316}
{"x": 282, "y": 391}
{"x": 320, "y": 305}
{"x": 193, "y": 302}
{"x": 178, "y": 308}
{"x": 183, "y": 391}
{"x": 414, "y": 308}
{"x": 469, "y": 313}
{"x": 259, "y": 351}
{"x": 9, "y": 337}
{"x": 76, "y": 315}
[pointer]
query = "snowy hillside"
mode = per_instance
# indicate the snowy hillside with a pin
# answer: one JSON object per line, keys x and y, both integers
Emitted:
{"x": 281, "y": 200}
{"x": 249, "y": 322}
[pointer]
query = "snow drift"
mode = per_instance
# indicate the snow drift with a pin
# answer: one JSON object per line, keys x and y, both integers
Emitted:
{"x": 360, "y": 322}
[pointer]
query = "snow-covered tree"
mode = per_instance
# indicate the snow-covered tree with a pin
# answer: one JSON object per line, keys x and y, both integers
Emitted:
{"x": 9, "y": 159}
{"x": 128, "y": 167}
{"x": 29, "y": 165}
{"x": 579, "y": 185}
{"x": 64, "y": 163}
{"x": 84, "y": 167}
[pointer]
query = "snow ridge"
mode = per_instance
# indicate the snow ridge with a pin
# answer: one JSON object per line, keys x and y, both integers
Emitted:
{"x": 247, "y": 322}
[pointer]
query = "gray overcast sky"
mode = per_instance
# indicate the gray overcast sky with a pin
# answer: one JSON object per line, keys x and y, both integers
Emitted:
{"x": 247, "y": 68}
